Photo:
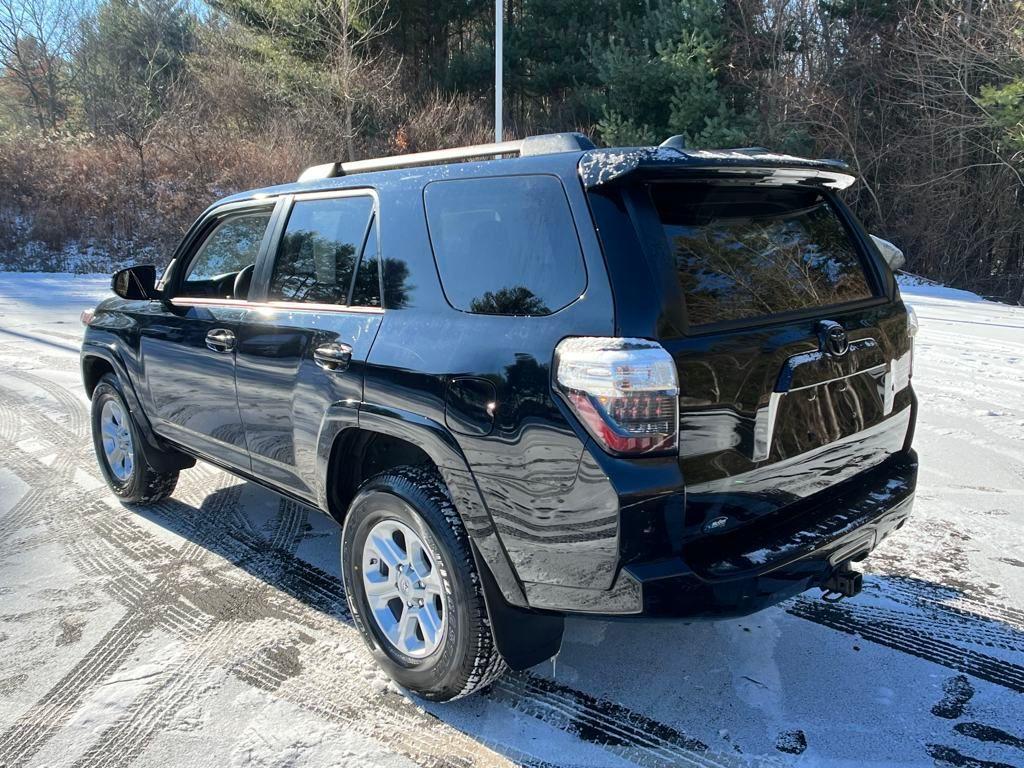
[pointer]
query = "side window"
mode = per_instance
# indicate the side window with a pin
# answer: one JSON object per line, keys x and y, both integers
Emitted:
{"x": 319, "y": 250}
{"x": 226, "y": 252}
{"x": 505, "y": 246}
{"x": 366, "y": 289}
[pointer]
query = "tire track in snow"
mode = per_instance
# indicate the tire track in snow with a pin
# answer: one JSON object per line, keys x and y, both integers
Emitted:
{"x": 56, "y": 434}
{"x": 129, "y": 737}
{"x": 20, "y": 514}
{"x": 1005, "y": 619}
{"x": 123, "y": 741}
{"x": 56, "y": 707}
{"x": 10, "y": 421}
{"x": 949, "y": 625}
{"x": 76, "y": 410}
{"x": 146, "y": 599}
{"x": 867, "y": 624}
{"x": 620, "y": 730}
{"x": 24, "y": 465}
{"x": 325, "y": 589}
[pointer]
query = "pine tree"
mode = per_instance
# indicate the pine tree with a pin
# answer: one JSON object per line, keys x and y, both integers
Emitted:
{"x": 658, "y": 75}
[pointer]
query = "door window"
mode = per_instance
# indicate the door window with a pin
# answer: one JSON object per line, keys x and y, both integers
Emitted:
{"x": 320, "y": 249}
{"x": 366, "y": 286}
{"x": 229, "y": 250}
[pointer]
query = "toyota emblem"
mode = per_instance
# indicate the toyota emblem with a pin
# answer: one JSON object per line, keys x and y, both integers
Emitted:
{"x": 833, "y": 339}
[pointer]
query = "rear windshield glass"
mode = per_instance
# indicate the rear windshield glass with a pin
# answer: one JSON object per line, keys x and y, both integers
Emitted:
{"x": 506, "y": 245}
{"x": 743, "y": 253}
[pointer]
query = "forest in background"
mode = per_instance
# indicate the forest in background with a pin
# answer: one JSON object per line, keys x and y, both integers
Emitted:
{"x": 120, "y": 120}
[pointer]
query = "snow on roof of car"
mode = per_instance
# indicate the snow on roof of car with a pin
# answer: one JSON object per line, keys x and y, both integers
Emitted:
{"x": 603, "y": 166}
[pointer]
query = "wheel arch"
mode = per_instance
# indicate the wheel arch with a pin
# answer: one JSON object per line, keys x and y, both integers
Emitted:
{"x": 97, "y": 361}
{"x": 94, "y": 368}
{"x": 347, "y": 440}
{"x": 524, "y": 637}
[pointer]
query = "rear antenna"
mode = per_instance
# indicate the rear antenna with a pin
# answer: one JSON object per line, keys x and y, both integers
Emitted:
{"x": 677, "y": 142}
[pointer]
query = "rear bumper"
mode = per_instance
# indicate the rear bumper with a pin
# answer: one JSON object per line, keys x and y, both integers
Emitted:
{"x": 744, "y": 571}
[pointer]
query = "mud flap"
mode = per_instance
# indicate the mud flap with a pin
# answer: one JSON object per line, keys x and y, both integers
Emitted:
{"x": 524, "y": 637}
{"x": 165, "y": 461}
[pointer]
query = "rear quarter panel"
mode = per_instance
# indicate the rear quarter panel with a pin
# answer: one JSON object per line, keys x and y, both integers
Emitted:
{"x": 527, "y": 466}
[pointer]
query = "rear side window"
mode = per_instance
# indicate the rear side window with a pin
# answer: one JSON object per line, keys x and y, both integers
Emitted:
{"x": 319, "y": 250}
{"x": 743, "y": 253}
{"x": 505, "y": 246}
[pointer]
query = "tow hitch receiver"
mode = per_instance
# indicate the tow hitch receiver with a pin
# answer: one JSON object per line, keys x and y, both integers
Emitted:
{"x": 844, "y": 582}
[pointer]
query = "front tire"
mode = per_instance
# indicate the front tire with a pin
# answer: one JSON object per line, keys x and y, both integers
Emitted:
{"x": 118, "y": 444}
{"x": 413, "y": 587}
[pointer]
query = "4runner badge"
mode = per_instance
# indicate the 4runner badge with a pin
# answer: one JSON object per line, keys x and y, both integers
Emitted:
{"x": 832, "y": 338}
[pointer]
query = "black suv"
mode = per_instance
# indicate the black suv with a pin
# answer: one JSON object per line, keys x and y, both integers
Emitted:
{"x": 529, "y": 379}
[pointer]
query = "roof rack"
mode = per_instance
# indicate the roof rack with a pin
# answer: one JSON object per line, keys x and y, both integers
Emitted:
{"x": 532, "y": 145}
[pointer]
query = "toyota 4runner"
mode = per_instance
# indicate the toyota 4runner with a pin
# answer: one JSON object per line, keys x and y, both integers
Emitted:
{"x": 530, "y": 379}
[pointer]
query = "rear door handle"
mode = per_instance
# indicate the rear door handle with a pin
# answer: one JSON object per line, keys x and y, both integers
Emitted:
{"x": 220, "y": 340}
{"x": 333, "y": 356}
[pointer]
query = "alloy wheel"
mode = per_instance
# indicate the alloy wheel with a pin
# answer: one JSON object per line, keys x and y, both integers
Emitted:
{"x": 403, "y": 587}
{"x": 117, "y": 440}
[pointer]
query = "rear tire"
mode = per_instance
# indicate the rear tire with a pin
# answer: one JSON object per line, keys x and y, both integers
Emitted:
{"x": 118, "y": 444}
{"x": 452, "y": 653}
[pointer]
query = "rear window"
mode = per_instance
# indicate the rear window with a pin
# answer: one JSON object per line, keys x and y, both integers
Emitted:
{"x": 505, "y": 246}
{"x": 743, "y": 253}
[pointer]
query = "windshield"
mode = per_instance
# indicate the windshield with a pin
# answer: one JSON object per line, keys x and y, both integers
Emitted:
{"x": 743, "y": 253}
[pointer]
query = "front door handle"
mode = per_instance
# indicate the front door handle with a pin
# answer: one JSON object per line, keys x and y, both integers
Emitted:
{"x": 220, "y": 340}
{"x": 333, "y": 356}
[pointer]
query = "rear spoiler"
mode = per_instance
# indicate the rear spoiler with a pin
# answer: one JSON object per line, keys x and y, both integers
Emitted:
{"x": 601, "y": 167}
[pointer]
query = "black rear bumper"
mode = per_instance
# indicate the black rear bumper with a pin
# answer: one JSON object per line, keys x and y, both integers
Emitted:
{"x": 741, "y": 572}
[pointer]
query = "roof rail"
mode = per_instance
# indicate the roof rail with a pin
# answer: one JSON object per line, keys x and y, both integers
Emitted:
{"x": 532, "y": 145}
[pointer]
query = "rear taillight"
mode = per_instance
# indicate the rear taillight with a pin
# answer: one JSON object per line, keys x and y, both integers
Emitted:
{"x": 624, "y": 391}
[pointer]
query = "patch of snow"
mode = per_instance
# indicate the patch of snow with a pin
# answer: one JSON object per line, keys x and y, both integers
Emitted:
{"x": 282, "y": 734}
{"x": 12, "y": 488}
{"x": 115, "y": 696}
{"x": 919, "y": 286}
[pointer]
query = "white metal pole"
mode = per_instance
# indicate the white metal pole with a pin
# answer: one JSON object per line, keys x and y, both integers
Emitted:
{"x": 499, "y": 34}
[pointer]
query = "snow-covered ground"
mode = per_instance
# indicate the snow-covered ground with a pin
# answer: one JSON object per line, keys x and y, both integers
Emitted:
{"x": 211, "y": 629}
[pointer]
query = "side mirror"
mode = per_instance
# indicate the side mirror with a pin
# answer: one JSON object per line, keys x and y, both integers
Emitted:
{"x": 136, "y": 282}
{"x": 893, "y": 256}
